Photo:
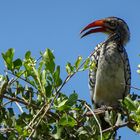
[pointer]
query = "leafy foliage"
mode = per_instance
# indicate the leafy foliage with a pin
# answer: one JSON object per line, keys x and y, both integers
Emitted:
{"x": 34, "y": 107}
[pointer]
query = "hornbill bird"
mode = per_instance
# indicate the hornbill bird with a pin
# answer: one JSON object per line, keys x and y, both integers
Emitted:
{"x": 111, "y": 79}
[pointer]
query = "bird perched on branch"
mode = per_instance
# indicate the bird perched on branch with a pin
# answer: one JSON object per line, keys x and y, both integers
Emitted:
{"x": 111, "y": 79}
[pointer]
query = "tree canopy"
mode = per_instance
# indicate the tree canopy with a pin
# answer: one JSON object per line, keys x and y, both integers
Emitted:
{"x": 33, "y": 105}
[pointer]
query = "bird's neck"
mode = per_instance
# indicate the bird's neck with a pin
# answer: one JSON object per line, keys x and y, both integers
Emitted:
{"x": 114, "y": 38}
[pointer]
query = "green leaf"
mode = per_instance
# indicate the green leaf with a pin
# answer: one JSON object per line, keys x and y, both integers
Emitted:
{"x": 32, "y": 82}
{"x": 81, "y": 131}
{"x": 29, "y": 64}
{"x": 28, "y": 69}
{"x": 48, "y": 55}
{"x": 48, "y": 59}
{"x": 67, "y": 103}
{"x": 67, "y": 120}
{"x": 28, "y": 55}
{"x": 61, "y": 105}
{"x": 138, "y": 110}
{"x": 72, "y": 99}
{"x": 17, "y": 64}
{"x": 78, "y": 61}
{"x": 19, "y": 73}
{"x": 3, "y": 86}
{"x": 130, "y": 104}
{"x": 93, "y": 65}
{"x": 57, "y": 135}
{"x": 69, "y": 68}
{"x": 48, "y": 89}
{"x": 43, "y": 77}
{"x": 56, "y": 77}
{"x": 19, "y": 129}
{"x": 41, "y": 64}
{"x": 8, "y": 58}
{"x": 39, "y": 98}
{"x": 86, "y": 64}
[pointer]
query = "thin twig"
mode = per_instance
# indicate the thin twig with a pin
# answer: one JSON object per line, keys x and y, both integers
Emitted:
{"x": 95, "y": 119}
{"x": 131, "y": 86}
{"x": 31, "y": 122}
{"x": 135, "y": 88}
{"x": 38, "y": 58}
{"x": 112, "y": 128}
{"x": 5, "y": 130}
{"x": 20, "y": 108}
{"x": 14, "y": 99}
{"x": 19, "y": 77}
{"x": 47, "y": 108}
{"x": 99, "y": 111}
{"x": 8, "y": 102}
{"x": 27, "y": 90}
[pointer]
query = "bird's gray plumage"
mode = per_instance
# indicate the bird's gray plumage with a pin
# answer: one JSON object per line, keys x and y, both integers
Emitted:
{"x": 111, "y": 79}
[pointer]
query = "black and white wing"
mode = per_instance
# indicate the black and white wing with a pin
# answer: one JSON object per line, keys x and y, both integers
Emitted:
{"x": 92, "y": 72}
{"x": 127, "y": 72}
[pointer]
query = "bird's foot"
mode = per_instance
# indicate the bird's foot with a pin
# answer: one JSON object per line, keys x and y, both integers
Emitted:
{"x": 106, "y": 108}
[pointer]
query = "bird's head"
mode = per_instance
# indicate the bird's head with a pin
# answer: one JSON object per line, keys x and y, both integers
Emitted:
{"x": 110, "y": 26}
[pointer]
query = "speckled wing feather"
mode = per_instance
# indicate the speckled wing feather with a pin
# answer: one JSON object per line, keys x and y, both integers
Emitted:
{"x": 92, "y": 72}
{"x": 127, "y": 71}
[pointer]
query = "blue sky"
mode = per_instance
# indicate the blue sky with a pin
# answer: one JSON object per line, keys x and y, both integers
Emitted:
{"x": 36, "y": 25}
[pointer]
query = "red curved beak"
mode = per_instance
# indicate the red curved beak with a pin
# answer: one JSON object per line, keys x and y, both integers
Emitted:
{"x": 98, "y": 23}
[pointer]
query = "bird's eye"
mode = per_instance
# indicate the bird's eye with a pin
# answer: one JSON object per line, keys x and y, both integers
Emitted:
{"x": 112, "y": 24}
